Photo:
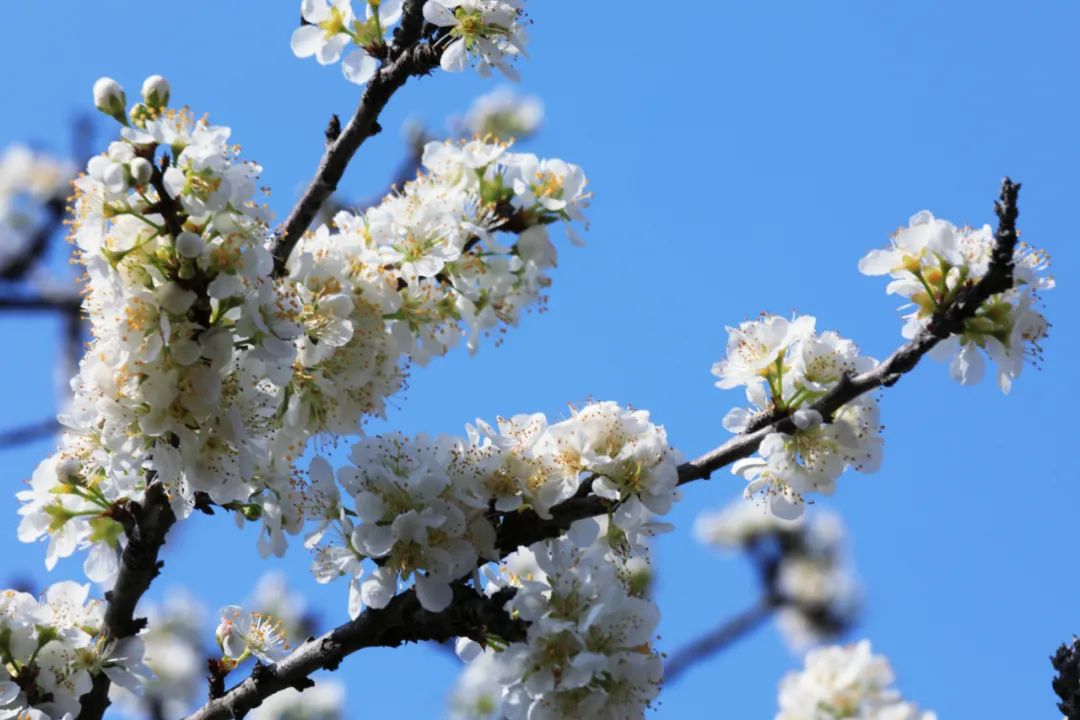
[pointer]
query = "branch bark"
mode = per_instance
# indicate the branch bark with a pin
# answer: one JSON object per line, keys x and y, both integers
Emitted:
{"x": 403, "y": 620}
{"x": 525, "y": 528}
{"x": 417, "y": 59}
{"x": 717, "y": 640}
{"x": 146, "y": 526}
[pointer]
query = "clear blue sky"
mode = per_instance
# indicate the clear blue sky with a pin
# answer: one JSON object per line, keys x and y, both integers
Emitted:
{"x": 744, "y": 156}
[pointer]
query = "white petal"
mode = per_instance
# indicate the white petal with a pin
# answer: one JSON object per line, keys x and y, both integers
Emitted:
{"x": 434, "y": 593}
{"x": 806, "y": 418}
{"x": 306, "y": 41}
{"x": 359, "y": 67}
{"x": 379, "y": 587}
{"x": 456, "y": 57}
{"x": 331, "y": 50}
{"x": 466, "y": 649}
{"x": 879, "y": 262}
{"x": 437, "y": 14}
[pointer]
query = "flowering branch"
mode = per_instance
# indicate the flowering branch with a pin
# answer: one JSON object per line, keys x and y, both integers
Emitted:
{"x": 402, "y": 621}
{"x": 419, "y": 59}
{"x": 525, "y": 528}
{"x": 717, "y": 639}
{"x": 146, "y": 526}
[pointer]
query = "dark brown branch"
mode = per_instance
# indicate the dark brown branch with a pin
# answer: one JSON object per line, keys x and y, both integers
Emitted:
{"x": 411, "y": 25}
{"x": 416, "y": 60}
{"x": 146, "y": 526}
{"x": 717, "y": 640}
{"x": 402, "y": 621}
{"x": 372, "y": 627}
{"x": 28, "y": 433}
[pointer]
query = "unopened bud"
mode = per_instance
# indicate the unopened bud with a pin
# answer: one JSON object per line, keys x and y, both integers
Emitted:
{"x": 109, "y": 98}
{"x": 155, "y": 91}
{"x": 141, "y": 170}
{"x": 189, "y": 245}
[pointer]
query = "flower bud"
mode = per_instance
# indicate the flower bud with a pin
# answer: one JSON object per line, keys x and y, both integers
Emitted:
{"x": 109, "y": 98}
{"x": 189, "y": 245}
{"x": 141, "y": 170}
{"x": 155, "y": 91}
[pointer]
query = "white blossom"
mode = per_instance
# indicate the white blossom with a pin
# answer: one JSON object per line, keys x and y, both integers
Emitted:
{"x": 931, "y": 261}
{"x": 844, "y": 682}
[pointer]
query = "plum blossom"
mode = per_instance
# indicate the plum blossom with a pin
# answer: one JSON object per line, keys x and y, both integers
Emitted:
{"x": 489, "y": 31}
{"x": 844, "y": 682}
{"x": 931, "y": 261}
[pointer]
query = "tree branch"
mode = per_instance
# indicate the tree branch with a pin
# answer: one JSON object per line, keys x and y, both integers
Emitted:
{"x": 28, "y": 433}
{"x": 393, "y": 625}
{"x": 525, "y": 528}
{"x": 470, "y": 615}
{"x": 419, "y": 59}
{"x": 65, "y": 303}
{"x": 717, "y": 640}
{"x": 146, "y": 526}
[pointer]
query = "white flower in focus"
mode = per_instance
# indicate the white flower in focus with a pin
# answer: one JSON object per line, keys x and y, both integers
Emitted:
{"x": 328, "y": 32}
{"x": 756, "y": 347}
{"x": 241, "y": 634}
{"x": 932, "y": 260}
{"x": 490, "y": 31}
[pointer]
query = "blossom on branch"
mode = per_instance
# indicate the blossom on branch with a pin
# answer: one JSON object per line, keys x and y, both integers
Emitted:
{"x": 931, "y": 261}
{"x": 786, "y": 366}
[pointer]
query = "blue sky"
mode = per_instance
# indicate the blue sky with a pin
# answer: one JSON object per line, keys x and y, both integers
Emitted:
{"x": 744, "y": 156}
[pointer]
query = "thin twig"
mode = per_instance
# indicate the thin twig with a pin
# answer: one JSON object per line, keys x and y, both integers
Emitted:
{"x": 418, "y": 59}
{"x": 717, "y": 640}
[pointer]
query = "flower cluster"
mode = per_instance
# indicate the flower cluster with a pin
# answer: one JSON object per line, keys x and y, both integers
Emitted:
{"x": 931, "y": 261}
{"x": 420, "y": 506}
{"x": 209, "y": 375}
{"x": 844, "y": 682}
{"x": 189, "y": 332}
{"x": 331, "y": 26}
{"x": 589, "y": 647}
{"x": 588, "y": 651}
{"x": 786, "y": 366}
{"x": 801, "y": 563}
{"x": 489, "y": 32}
{"x": 51, "y": 647}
